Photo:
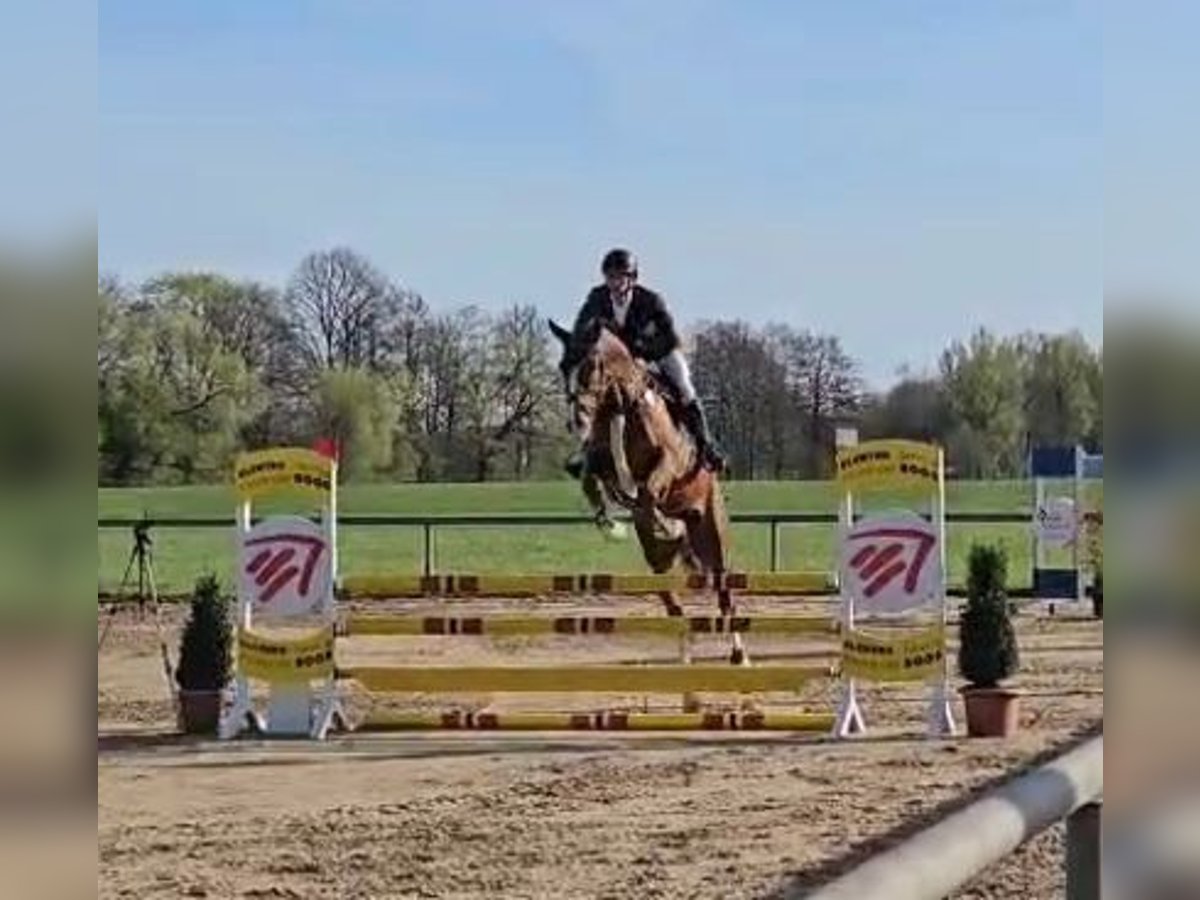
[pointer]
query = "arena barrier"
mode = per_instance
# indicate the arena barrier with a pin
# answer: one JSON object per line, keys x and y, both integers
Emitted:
{"x": 287, "y": 569}
{"x": 1064, "y": 522}
{"x": 399, "y": 585}
{"x": 302, "y": 678}
{"x": 613, "y": 720}
{"x": 892, "y": 567}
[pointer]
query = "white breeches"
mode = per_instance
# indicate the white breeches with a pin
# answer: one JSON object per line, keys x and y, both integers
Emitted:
{"x": 674, "y": 366}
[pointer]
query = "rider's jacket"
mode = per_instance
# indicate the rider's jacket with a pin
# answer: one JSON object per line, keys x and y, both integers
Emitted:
{"x": 647, "y": 327}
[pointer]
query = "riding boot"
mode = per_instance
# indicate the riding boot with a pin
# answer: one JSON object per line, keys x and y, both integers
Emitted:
{"x": 697, "y": 423}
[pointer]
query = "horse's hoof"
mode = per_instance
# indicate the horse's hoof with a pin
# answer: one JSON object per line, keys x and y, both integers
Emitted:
{"x": 737, "y": 656}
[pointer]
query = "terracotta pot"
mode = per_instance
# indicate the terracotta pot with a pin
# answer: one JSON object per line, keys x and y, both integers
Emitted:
{"x": 991, "y": 712}
{"x": 199, "y": 711}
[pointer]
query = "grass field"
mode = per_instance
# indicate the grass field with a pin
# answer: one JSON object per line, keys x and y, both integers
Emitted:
{"x": 181, "y": 554}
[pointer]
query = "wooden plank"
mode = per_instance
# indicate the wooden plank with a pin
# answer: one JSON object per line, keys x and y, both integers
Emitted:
{"x": 386, "y": 585}
{"x": 650, "y": 679}
{"x": 456, "y": 720}
{"x": 512, "y": 625}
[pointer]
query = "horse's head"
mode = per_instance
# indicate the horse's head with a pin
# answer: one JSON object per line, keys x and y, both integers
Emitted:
{"x": 595, "y": 367}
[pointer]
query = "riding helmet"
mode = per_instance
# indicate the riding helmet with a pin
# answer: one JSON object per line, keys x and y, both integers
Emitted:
{"x": 619, "y": 261}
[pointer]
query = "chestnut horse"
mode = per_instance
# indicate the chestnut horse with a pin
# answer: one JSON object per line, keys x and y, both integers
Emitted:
{"x": 637, "y": 455}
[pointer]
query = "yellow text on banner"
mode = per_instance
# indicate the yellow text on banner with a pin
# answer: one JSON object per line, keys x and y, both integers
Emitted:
{"x": 285, "y": 659}
{"x": 888, "y": 464}
{"x": 282, "y": 468}
{"x": 909, "y": 657}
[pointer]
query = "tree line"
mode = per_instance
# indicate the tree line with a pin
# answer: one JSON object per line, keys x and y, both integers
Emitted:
{"x": 194, "y": 366}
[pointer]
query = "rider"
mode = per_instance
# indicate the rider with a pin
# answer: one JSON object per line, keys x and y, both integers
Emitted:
{"x": 639, "y": 316}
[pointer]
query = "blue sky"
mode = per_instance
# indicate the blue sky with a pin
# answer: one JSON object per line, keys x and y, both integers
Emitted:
{"x": 894, "y": 173}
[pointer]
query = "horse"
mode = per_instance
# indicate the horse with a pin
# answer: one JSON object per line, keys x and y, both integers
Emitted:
{"x": 637, "y": 455}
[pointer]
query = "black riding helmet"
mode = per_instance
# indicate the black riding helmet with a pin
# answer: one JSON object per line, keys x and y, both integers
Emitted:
{"x": 619, "y": 262}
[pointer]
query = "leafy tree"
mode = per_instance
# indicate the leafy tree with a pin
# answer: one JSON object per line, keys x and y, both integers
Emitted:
{"x": 1061, "y": 404}
{"x": 915, "y": 408}
{"x": 173, "y": 401}
{"x": 194, "y": 366}
{"x": 358, "y": 409}
{"x": 984, "y": 382}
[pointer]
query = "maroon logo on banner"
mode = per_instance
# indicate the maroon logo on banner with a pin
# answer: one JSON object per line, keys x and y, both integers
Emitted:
{"x": 890, "y": 564}
{"x": 884, "y": 560}
{"x": 284, "y": 558}
{"x": 286, "y": 567}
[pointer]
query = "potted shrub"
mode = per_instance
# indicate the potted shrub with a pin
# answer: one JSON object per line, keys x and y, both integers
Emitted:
{"x": 205, "y": 659}
{"x": 988, "y": 646}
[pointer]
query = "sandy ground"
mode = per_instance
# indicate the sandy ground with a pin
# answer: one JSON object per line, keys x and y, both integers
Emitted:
{"x": 554, "y": 815}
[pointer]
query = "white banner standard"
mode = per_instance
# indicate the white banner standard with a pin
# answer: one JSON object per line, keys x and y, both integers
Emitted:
{"x": 891, "y": 563}
{"x": 286, "y": 568}
{"x": 1056, "y": 522}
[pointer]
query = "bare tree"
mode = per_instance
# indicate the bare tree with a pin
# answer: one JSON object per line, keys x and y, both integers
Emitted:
{"x": 824, "y": 386}
{"x": 338, "y": 302}
{"x": 742, "y": 383}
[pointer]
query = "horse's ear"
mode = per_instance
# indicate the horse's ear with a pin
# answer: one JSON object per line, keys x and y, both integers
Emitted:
{"x": 559, "y": 332}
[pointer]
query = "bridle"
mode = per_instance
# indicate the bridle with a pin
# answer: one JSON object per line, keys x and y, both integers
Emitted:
{"x": 621, "y": 402}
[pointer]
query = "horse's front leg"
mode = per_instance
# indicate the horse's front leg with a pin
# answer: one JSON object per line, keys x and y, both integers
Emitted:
{"x": 593, "y": 490}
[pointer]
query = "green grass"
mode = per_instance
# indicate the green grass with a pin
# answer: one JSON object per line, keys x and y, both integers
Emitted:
{"x": 181, "y": 554}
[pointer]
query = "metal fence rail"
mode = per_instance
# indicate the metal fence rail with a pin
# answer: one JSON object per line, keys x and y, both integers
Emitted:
{"x": 430, "y": 523}
{"x": 944, "y": 857}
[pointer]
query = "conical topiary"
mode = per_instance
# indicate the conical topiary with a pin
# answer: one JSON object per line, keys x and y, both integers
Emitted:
{"x": 988, "y": 643}
{"x": 206, "y": 648}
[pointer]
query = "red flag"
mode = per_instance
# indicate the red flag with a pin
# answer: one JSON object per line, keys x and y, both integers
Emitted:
{"x": 328, "y": 448}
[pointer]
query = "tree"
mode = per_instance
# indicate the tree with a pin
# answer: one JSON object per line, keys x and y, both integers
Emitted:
{"x": 825, "y": 388}
{"x": 173, "y": 401}
{"x": 445, "y": 362}
{"x": 742, "y": 383}
{"x": 915, "y": 408}
{"x": 338, "y": 300}
{"x": 984, "y": 382}
{"x": 506, "y": 385}
{"x": 246, "y": 319}
{"x": 1061, "y": 405}
{"x": 358, "y": 409}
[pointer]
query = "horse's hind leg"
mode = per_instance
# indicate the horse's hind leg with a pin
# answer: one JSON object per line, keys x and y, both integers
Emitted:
{"x": 707, "y": 542}
{"x": 708, "y": 538}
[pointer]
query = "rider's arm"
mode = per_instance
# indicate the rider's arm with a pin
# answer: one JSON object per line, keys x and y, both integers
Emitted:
{"x": 591, "y": 308}
{"x": 664, "y": 338}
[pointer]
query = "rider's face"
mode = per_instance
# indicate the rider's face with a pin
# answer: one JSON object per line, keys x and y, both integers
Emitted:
{"x": 619, "y": 283}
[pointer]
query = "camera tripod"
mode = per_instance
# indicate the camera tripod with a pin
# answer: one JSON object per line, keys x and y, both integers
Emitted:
{"x": 142, "y": 556}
